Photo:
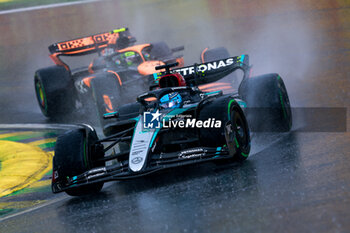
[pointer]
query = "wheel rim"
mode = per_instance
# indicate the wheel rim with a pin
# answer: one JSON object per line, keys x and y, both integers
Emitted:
{"x": 40, "y": 95}
{"x": 239, "y": 129}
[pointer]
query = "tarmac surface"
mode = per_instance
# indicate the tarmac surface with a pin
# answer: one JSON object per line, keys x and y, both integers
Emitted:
{"x": 292, "y": 182}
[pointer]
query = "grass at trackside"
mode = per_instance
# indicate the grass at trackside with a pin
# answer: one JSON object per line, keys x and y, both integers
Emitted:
{"x": 13, "y": 4}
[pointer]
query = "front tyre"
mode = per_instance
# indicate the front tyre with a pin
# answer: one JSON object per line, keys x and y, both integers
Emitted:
{"x": 234, "y": 131}
{"x": 237, "y": 135}
{"x": 75, "y": 153}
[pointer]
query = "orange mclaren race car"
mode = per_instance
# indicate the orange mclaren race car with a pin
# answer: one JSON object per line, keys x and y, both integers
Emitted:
{"x": 119, "y": 73}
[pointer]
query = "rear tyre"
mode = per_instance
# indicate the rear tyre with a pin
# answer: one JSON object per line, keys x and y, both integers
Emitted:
{"x": 268, "y": 103}
{"x": 55, "y": 91}
{"x": 234, "y": 130}
{"x": 74, "y": 155}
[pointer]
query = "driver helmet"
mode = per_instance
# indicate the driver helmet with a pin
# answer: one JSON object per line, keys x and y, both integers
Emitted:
{"x": 147, "y": 56}
{"x": 171, "y": 100}
{"x": 130, "y": 58}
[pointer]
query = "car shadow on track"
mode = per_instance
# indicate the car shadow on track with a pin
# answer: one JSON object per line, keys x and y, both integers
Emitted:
{"x": 241, "y": 174}
{"x": 185, "y": 190}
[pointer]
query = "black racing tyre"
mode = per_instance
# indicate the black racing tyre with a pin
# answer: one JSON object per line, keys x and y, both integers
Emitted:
{"x": 226, "y": 109}
{"x": 267, "y": 102}
{"x": 106, "y": 95}
{"x": 74, "y": 155}
{"x": 238, "y": 136}
{"x": 55, "y": 91}
{"x": 215, "y": 54}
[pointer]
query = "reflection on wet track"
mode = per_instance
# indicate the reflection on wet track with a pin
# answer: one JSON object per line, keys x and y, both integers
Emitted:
{"x": 296, "y": 182}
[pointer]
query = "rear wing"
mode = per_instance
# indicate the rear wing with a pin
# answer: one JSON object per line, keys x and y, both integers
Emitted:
{"x": 94, "y": 43}
{"x": 209, "y": 72}
{"x": 118, "y": 39}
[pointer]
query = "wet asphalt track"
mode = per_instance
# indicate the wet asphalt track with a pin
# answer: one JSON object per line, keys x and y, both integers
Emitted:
{"x": 295, "y": 182}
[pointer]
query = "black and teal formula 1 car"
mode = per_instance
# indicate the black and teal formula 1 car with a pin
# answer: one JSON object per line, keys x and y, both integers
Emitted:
{"x": 175, "y": 125}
